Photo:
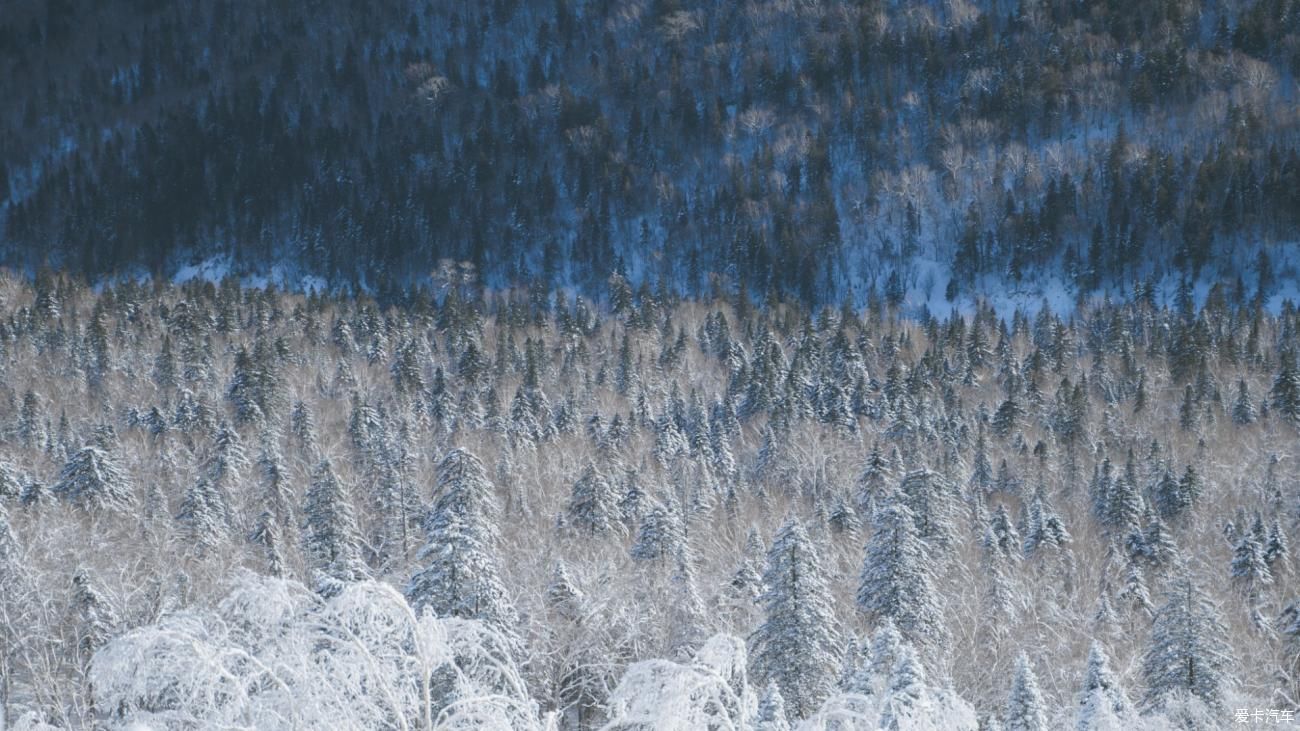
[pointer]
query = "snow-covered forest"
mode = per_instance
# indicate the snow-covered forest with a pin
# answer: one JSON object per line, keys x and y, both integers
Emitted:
{"x": 226, "y": 507}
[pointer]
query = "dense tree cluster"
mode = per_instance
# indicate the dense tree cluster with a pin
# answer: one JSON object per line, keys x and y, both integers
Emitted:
{"x": 771, "y": 515}
{"x": 811, "y": 148}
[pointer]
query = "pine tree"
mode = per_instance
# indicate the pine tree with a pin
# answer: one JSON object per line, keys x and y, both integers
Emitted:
{"x": 875, "y": 476}
{"x": 896, "y": 575}
{"x": 1190, "y": 484}
{"x": 1286, "y": 388}
{"x": 303, "y": 426}
{"x": 1249, "y": 569}
{"x": 96, "y": 619}
{"x": 593, "y": 505}
{"x": 1243, "y": 409}
{"x": 982, "y": 475}
{"x": 1288, "y": 625}
{"x": 1123, "y": 507}
{"x": 687, "y": 619}
{"x": 797, "y": 645}
{"x": 1189, "y": 410}
{"x": 1102, "y": 702}
{"x": 460, "y": 576}
{"x": 203, "y": 515}
{"x": 563, "y": 594}
{"x": 659, "y": 535}
{"x": 1170, "y": 498}
{"x": 11, "y": 482}
{"x": 843, "y": 519}
{"x": 932, "y": 499}
{"x": 1277, "y": 552}
{"x": 243, "y": 389}
{"x": 1025, "y": 708}
{"x": 274, "y": 527}
{"x": 1007, "y": 418}
{"x": 771, "y": 711}
{"x": 1188, "y": 650}
{"x": 331, "y": 538}
{"x": 92, "y": 481}
{"x": 905, "y": 691}
{"x": 1134, "y": 593}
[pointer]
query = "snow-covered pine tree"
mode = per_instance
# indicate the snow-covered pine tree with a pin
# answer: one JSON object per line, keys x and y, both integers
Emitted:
{"x": 1243, "y": 409}
{"x": 1026, "y": 710}
{"x": 872, "y": 482}
{"x": 1249, "y": 569}
{"x": 275, "y": 526}
{"x": 331, "y": 538}
{"x": 1187, "y": 652}
{"x": 659, "y": 535}
{"x": 593, "y": 504}
{"x": 1277, "y": 552}
{"x": 92, "y": 481}
{"x": 1007, "y": 418}
{"x": 905, "y": 691}
{"x": 1169, "y": 497}
{"x": 687, "y": 619}
{"x": 896, "y": 580}
{"x": 303, "y": 427}
{"x": 96, "y": 619}
{"x": 1123, "y": 507}
{"x": 981, "y": 478}
{"x": 203, "y": 516}
{"x": 771, "y": 711}
{"x": 797, "y": 645}
{"x": 242, "y": 391}
{"x": 1288, "y": 626}
{"x": 1102, "y": 702}
{"x": 460, "y": 576}
{"x": 1285, "y": 393}
{"x": 933, "y": 501}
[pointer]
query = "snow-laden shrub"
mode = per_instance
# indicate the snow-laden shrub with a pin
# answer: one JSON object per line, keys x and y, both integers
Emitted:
{"x": 937, "y": 709}
{"x": 274, "y": 655}
{"x": 709, "y": 693}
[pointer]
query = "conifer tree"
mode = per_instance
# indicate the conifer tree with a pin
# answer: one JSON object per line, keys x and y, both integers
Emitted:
{"x": 932, "y": 499}
{"x": 797, "y": 645}
{"x": 1243, "y": 409}
{"x": 1025, "y": 708}
{"x": 459, "y": 575}
{"x": 659, "y": 535}
{"x": 771, "y": 710}
{"x": 593, "y": 505}
{"x": 1007, "y": 418}
{"x": 905, "y": 690}
{"x": 1102, "y": 702}
{"x": 1249, "y": 569}
{"x": 896, "y": 576}
{"x": 203, "y": 514}
{"x": 1187, "y": 652}
{"x": 331, "y": 538}
{"x": 1286, "y": 388}
{"x": 96, "y": 619}
{"x": 687, "y": 618}
{"x": 92, "y": 481}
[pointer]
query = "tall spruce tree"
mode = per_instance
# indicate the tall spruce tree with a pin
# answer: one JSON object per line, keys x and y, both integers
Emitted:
{"x": 797, "y": 646}
{"x": 459, "y": 575}
{"x": 1026, "y": 710}
{"x": 331, "y": 538}
{"x": 1188, "y": 651}
{"x": 92, "y": 481}
{"x": 1102, "y": 702}
{"x": 896, "y": 580}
